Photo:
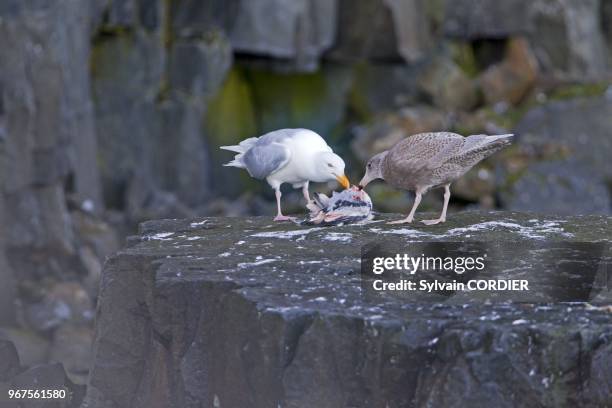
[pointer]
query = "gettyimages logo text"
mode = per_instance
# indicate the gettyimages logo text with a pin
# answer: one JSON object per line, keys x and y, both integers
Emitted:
{"x": 411, "y": 264}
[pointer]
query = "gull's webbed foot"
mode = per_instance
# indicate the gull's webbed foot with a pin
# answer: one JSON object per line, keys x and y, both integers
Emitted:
{"x": 283, "y": 218}
{"x": 407, "y": 220}
{"x": 433, "y": 222}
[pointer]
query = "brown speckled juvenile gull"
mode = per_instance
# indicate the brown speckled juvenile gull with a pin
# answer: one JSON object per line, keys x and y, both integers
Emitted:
{"x": 429, "y": 160}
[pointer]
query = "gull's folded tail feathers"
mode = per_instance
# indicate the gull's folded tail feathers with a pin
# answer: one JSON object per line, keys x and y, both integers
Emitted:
{"x": 242, "y": 147}
{"x": 235, "y": 163}
{"x": 507, "y": 138}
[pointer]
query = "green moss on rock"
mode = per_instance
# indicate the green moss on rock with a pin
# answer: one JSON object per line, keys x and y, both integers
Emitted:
{"x": 314, "y": 100}
{"x": 463, "y": 55}
{"x": 230, "y": 118}
{"x": 357, "y": 98}
{"x": 579, "y": 91}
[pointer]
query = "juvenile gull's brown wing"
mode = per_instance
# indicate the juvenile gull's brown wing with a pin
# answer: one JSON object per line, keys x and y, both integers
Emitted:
{"x": 478, "y": 147}
{"x": 426, "y": 149}
{"x": 411, "y": 162}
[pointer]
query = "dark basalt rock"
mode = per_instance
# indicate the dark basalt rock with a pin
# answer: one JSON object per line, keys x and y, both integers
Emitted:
{"x": 47, "y": 141}
{"x": 485, "y": 19}
{"x": 48, "y": 377}
{"x": 244, "y": 312}
{"x": 575, "y": 178}
{"x": 299, "y": 30}
{"x": 37, "y": 378}
{"x": 9, "y": 360}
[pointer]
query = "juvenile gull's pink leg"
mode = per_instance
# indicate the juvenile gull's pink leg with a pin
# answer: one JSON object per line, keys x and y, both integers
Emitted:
{"x": 410, "y": 217}
{"x": 443, "y": 215}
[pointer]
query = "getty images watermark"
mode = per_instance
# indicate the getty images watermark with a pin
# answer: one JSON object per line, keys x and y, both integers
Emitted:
{"x": 530, "y": 271}
{"x": 459, "y": 265}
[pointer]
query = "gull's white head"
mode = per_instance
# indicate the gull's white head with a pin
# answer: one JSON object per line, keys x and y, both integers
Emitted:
{"x": 329, "y": 167}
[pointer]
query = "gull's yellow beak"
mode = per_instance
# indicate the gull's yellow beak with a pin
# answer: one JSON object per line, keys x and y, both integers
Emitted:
{"x": 344, "y": 181}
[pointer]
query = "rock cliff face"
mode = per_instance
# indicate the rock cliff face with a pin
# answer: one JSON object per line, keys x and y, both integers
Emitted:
{"x": 186, "y": 70}
{"x": 13, "y": 376}
{"x": 573, "y": 170}
{"x": 112, "y": 111}
{"x": 47, "y": 140}
{"x": 242, "y": 312}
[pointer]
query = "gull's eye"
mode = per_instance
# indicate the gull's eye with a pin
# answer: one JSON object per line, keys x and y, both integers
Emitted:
{"x": 329, "y": 165}
{"x": 369, "y": 165}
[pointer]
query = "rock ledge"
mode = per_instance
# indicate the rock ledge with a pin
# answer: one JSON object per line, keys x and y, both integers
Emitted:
{"x": 243, "y": 312}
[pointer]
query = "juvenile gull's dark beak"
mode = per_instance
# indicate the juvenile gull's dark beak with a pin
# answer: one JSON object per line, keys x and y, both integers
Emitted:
{"x": 364, "y": 182}
{"x": 344, "y": 181}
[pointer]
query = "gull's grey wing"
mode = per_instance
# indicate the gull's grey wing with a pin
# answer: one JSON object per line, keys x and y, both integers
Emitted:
{"x": 265, "y": 158}
{"x": 278, "y": 136}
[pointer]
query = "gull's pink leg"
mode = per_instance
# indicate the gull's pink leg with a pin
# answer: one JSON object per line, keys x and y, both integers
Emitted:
{"x": 305, "y": 192}
{"x": 443, "y": 215}
{"x": 279, "y": 213}
{"x": 410, "y": 217}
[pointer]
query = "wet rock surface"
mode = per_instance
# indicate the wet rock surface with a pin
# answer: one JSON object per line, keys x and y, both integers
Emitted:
{"x": 237, "y": 312}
